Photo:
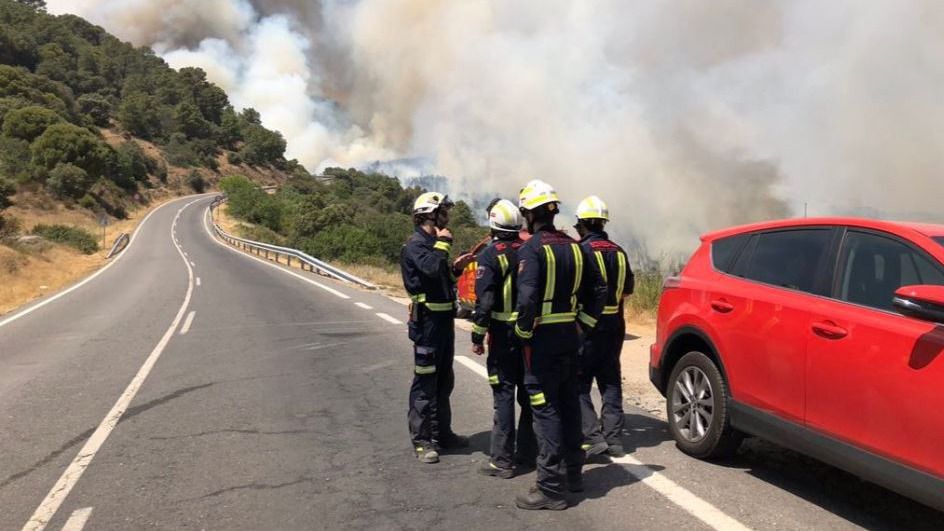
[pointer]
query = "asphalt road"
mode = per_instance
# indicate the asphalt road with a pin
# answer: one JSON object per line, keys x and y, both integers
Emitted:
{"x": 283, "y": 406}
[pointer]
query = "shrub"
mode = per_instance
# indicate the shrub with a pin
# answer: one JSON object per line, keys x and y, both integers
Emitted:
{"x": 67, "y": 143}
{"x": 74, "y": 237}
{"x": 29, "y": 122}
{"x": 196, "y": 182}
{"x": 69, "y": 180}
{"x": 88, "y": 202}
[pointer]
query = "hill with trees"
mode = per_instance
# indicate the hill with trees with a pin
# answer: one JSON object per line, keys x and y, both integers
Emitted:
{"x": 94, "y": 123}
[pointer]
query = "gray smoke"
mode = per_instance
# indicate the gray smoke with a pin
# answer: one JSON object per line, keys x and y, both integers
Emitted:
{"x": 686, "y": 115}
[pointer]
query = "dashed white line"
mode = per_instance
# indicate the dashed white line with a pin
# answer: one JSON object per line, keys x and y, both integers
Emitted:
{"x": 198, "y": 281}
{"x": 329, "y": 289}
{"x": 47, "y": 509}
{"x": 680, "y": 496}
{"x": 389, "y": 319}
{"x": 77, "y": 521}
{"x": 362, "y": 305}
{"x": 189, "y": 321}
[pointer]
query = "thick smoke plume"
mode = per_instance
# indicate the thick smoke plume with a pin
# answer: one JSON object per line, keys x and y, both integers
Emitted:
{"x": 684, "y": 115}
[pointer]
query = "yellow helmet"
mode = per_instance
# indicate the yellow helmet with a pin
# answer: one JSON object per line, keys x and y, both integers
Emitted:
{"x": 504, "y": 216}
{"x": 429, "y": 202}
{"x": 593, "y": 208}
{"x": 535, "y": 194}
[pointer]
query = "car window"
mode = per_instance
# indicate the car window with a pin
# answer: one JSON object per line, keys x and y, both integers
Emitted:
{"x": 788, "y": 259}
{"x": 939, "y": 239}
{"x": 873, "y": 267}
{"x": 724, "y": 250}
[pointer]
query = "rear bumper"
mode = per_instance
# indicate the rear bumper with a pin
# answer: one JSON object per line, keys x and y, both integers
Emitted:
{"x": 655, "y": 368}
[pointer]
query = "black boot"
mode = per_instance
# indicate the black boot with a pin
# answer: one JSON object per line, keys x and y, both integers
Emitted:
{"x": 426, "y": 453}
{"x": 575, "y": 482}
{"x": 453, "y": 441}
{"x": 490, "y": 469}
{"x": 615, "y": 450}
{"x": 536, "y": 500}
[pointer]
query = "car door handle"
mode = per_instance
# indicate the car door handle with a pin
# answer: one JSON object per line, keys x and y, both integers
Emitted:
{"x": 722, "y": 306}
{"x": 829, "y": 330}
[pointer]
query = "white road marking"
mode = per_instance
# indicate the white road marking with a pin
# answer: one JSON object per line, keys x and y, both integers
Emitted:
{"x": 198, "y": 281}
{"x": 329, "y": 289}
{"x": 389, "y": 319}
{"x": 362, "y": 305}
{"x": 680, "y": 496}
{"x": 47, "y": 509}
{"x": 61, "y": 294}
{"x": 189, "y": 321}
{"x": 77, "y": 521}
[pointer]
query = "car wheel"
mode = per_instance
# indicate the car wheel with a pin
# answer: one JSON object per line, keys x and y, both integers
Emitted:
{"x": 697, "y": 409}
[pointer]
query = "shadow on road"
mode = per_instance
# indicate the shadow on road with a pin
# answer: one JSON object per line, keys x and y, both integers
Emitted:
{"x": 843, "y": 494}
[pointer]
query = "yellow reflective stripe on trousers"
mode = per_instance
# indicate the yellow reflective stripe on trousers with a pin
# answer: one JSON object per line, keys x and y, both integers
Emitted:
{"x": 427, "y": 369}
{"x": 481, "y": 330}
{"x": 506, "y": 317}
{"x": 538, "y": 399}
{"x": 611, "y": 310}
{"x": 440, "y": 306}
{"x": 551, "y": 280}
{"x": 442, "y": 246}
{"x": 493, "y": 379}
{"x": 600, "y": 263}
{"x": 421, "y": 297}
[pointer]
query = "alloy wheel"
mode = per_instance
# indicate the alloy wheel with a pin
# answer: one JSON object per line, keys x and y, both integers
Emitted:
{"x": 692, "y": 404}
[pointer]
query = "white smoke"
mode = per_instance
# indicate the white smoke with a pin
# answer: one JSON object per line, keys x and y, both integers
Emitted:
{"x": 684, "y": 115}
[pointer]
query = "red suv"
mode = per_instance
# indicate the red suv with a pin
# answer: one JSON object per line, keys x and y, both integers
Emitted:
{"x": 823, "y": 335}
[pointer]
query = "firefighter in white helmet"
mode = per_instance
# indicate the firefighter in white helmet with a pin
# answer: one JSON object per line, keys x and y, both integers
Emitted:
{"x": 558, "y": 287}
{"x": 430, "y": 282}
{"x": 494, "y": 320}
{"x": 600, "y": 359}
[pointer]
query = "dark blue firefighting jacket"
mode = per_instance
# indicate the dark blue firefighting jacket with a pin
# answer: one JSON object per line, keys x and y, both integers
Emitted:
{"x": 427, "y": 273}
{"x": 495, "y": 275}
{"x": 558, "y": 284}
{"x": 614, "y": 266}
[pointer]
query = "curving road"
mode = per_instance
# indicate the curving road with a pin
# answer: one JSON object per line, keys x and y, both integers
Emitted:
{"x": 190, "y": 386}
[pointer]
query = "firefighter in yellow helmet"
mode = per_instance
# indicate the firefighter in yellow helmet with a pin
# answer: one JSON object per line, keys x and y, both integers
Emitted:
{"x": 558, "y": 287}
{"x": 600, "y": 359}
{"x": 494, "y": 321}
{"x": 430, "y": 282}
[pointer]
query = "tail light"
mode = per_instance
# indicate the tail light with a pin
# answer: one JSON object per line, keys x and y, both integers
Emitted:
{"x": 671, "y": 283}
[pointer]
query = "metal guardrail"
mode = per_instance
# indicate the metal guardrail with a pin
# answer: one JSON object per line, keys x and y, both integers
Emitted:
{"x": 120, "y": 242}
{"x": 306, "y": 261}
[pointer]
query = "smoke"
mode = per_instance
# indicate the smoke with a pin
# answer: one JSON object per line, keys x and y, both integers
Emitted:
{"x": 685, "y": 116}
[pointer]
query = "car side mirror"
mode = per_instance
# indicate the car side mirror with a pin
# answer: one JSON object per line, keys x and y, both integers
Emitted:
{"x": 921, "y": 302}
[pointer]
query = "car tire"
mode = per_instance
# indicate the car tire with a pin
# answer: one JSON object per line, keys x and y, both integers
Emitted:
{"x": 697, "y": 409}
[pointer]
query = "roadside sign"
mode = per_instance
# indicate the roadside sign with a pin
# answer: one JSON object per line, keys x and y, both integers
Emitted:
{"x": 103, "y": 220}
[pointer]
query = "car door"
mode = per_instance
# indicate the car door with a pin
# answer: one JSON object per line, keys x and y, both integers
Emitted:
{"x": 761, "y": 311}
{"x": 875, "y": 377}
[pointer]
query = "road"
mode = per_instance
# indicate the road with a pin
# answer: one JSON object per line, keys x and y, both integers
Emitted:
{"x": 190, "y": 386}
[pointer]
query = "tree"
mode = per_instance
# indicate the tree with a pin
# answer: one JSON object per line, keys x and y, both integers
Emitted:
{"x": 69, "y": 181}
{"x": 67, "y": 143}
{"x": 262, "y": 145}
{"x": 38, "y": 5}
{"x": 97, "y": 107}
{"x": 7, "y": 189}
{"x": 140, "y": 114}
{"x": 251, "y": 116}
{"x": 15, "y": 159}
{"x": 190, "y": 122}
{"x": 29, "y": 122}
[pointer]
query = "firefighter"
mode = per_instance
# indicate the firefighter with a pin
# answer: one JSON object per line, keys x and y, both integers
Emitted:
{"x": 600, "y": 359}
{"x": 494, "y": 319}
{"x": 430, "y": 282}
{"x": 555, "y": 277}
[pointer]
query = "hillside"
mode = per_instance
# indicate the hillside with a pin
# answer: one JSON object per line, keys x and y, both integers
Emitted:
{"x": 93, "y": 127}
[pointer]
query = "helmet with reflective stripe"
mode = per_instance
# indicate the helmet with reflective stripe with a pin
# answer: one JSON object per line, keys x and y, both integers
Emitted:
{"x": 429, "y": 202}
{"x": 593, "y": 208}
{"x": 535, "y": 194}
{"x": 504, "y": 216}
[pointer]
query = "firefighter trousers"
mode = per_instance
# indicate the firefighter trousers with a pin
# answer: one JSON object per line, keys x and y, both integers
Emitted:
{"x": 430, "y": 414}
{"x": 600, "y": 361}
{"x": 553, "y": 391}
{"x": 506, "y": 377}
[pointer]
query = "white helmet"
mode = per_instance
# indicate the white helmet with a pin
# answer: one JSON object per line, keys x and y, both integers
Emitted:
{"x": 504, "y": 216}
{"x": 535, "y": 194}
{"x": 429, "y": 202}
{"x": 593, "y": 208}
